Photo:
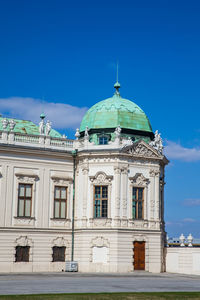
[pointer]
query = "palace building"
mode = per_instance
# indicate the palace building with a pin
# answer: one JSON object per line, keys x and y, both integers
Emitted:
{"x": 97, "y": 200}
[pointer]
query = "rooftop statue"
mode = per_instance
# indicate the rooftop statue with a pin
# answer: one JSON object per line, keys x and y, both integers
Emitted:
{"x": 4, "y": 123}
{"x": 77, "y": 134}
{"x": 86, "y": 136}
{"x": 157, "y": 143}
{"x": 12, "y": 124}
{"x": 41, "y": 127}
{"x": 48, "y": 127}
{"x": 118, "y": 131}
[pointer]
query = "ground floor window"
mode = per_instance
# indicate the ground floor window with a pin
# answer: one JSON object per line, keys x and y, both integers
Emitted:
{"x": 22, "y": 254}
{"x": 58, "y": 253}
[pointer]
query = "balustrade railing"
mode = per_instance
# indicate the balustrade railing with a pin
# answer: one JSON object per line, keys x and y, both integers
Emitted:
{"x": 42, "y": 141}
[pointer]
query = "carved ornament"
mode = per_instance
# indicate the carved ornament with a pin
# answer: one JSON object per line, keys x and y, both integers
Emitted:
{"x": 141, "y": 149}
{"x": 60, "y": 242}
{"x": 23, "y": 241}
{"x": 139, "y": 180}
{"x": 101, "y": 178}
{"x": 27, "y": 178}
{"x": 61, "y": 180}
{"x": 100, "y": 241}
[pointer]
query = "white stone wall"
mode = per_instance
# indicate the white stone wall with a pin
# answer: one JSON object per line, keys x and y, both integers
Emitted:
{"x": 112, "y": 236}
{"x": 185, "y": 260}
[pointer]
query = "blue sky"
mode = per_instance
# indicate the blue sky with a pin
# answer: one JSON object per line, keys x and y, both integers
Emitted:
{"x": 60, "y": 56}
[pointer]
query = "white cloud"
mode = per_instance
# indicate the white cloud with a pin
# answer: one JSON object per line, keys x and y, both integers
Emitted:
{"x": 60, "y": 114}
{"x": 176, "y": 151}
{"x": 189, "y": 220}
{"x": 191, "y": 202}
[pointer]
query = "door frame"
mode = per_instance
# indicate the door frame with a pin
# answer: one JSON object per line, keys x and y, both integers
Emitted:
{"x": 145, "y": 254}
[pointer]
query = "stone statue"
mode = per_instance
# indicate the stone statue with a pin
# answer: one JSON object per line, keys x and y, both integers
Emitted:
{"x": 12, "y": 124}
{"x": 48, "y": 128}
{"x": 157, "y": 143}
{"x": 4, "y": 123}
{"x": 86, "y": 136}
{"x": 41, "y": 127}
{"x": 118, "y": 131}
{"x": 77, "y": 134}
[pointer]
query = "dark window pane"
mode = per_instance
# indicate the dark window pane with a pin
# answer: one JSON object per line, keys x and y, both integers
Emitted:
{"x": 134, "y": 209}
{"x": 137, "y": 203}
{"x": 97, "y": 212}
{"x": 103, "y": 140}
{"x": 22, "y": 254}
{"x": 134, "y": 193}
{"x": 139, "y": 209}
{"x": 58, "y": 254}
{"x": 104, "y": 208}
{"x": 104, "y": 192}
{"x": 140, "y": 194}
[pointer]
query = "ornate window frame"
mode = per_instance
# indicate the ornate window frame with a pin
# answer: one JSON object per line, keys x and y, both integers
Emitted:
{"x": 23, "y": 241}
{"x": 60, "y": 241}
{"x": 139, "y": 181}
{"x": 101, "y": 178}
{"x": 99, "y": 241}
{"x": 62, "y": 182}
{"x": 23, "y": 178}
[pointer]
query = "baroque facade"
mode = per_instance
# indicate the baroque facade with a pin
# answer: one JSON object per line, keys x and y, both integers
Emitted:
{"x": 108, "y": 184}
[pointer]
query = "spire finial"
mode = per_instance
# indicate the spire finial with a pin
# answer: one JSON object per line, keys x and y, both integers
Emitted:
{"x": 117, "y": 84}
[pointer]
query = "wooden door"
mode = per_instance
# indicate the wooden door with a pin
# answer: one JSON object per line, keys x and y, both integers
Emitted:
{"x": 139, "y": 255}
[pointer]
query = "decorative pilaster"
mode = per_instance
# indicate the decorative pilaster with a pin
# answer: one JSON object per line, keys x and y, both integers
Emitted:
{"x": 155, "y": 200}
{"x": 117, "y": 171}
{"x": 85, "y": 170}
{"x": 124, "y": 190}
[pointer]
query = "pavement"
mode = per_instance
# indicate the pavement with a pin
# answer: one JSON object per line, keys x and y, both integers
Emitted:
{"x": 138, "y": 281}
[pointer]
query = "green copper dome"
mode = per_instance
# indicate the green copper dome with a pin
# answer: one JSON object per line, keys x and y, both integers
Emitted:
{"x": 28, "y": 127}
{"x": 115, "y": 111}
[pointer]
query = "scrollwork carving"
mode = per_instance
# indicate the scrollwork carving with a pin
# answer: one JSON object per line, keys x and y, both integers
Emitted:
{"x": 139, "y": 180}
{"x": 101, "y": 178}
{"x": 141, "y": 149}
{"x": 27, "y": 178}
{"x": 61, "y": 180}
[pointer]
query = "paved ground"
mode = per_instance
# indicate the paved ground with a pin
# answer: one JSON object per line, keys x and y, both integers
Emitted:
{"x": 94, "y": 283}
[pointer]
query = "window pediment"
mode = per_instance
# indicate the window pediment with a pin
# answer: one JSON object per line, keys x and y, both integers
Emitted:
{"x": 139, "y": 180}
{"x": 101, "y": 178}
{"x": 27, "y": 178}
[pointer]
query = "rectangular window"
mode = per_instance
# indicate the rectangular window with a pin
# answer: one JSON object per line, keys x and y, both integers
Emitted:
{"x": 58, "y": 253}
{"x": 24, "y": 200}
{"x": 101, "y": 201}
{"x": 103, "y": 140}
{"x": 60, "y": 202}
{"x": 137, "y": 203}
{"x": 22, "y": 254}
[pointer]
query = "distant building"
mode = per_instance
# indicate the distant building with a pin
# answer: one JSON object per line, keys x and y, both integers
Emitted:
{"x": 119, "y": 171}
